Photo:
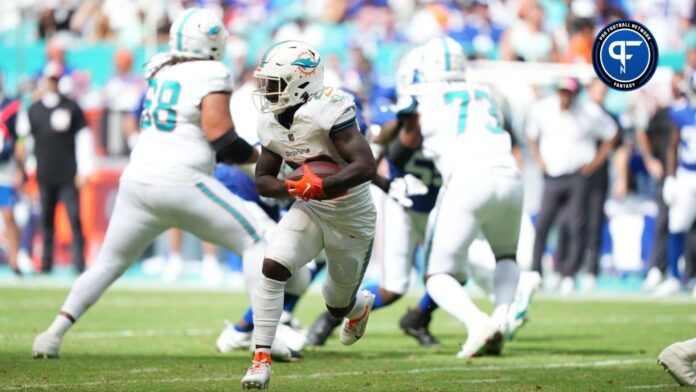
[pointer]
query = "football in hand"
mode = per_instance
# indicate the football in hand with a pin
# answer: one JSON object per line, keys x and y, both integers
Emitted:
{"x": 322, "y": 169}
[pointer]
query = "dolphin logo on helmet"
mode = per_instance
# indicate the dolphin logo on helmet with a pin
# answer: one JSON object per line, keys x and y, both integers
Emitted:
{"x": 307, "y": 65}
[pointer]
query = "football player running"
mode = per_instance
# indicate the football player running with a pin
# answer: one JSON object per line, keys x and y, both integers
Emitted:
{"x": 459, "y": 126}
{"x": 412, "y": 188}
{"x": 288, "y": 342}
{"x": 185, "y": 127}
{"x": 303, "y": 121}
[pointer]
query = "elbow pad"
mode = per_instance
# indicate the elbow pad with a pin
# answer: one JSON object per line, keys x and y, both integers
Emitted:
{"x": 232, "y": 148}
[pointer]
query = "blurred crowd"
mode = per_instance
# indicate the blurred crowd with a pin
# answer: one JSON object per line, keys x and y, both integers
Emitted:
{"x": 362, "y": 42}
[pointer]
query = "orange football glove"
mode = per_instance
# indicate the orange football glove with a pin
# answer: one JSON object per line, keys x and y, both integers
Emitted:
{"x": 310, "y": 186}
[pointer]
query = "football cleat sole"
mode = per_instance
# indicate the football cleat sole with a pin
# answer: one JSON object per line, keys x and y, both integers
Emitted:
{"x": 254, "y": 385}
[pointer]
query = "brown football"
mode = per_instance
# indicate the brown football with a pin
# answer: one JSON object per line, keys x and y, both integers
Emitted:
{"x": 322, "y": 169}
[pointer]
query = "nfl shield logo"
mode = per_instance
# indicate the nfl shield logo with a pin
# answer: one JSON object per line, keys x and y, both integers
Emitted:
{"x": 291, "y": 137}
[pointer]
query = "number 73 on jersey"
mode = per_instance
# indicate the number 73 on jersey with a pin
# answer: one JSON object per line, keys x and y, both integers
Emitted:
{"x": 463, "y": 98}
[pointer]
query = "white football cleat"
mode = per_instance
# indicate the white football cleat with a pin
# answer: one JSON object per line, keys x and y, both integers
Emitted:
{"x": 652, "y": 279}
{"x": 24, "y": 262}
{"x": 589, "y": 282}
{"x": 678, "y": 360}
{"x": 212, "y": 273}
{"x": 353, "y": 330}
{"x": 173, "y": 269}
{"x": 230, "y": 339}
{"x": 258, "y": 376}
{"x": 567, "y": 285}
{"x": 46, "y": 345}
{"x": 669, "y": 287}
{"x": 486, "y": 338}
{"x": 529, "y": 282}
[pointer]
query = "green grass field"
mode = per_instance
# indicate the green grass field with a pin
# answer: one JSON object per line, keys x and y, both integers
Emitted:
{"x": 162, "y": 340}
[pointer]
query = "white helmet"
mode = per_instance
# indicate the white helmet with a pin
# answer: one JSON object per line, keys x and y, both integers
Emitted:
{"x": 443, "y": 60}
{"x": 288, "y": 73}
{"x": 408, "y": 72}
{"x": 198, "y": 33}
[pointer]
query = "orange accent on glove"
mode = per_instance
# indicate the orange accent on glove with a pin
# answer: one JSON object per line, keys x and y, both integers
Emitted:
{"x": 310, "y": 186}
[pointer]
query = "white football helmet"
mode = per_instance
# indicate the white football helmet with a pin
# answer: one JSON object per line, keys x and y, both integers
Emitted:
{"x": 288, "y": 73}
{"x": 443, "y": 60}
{"x": 198, "y": 33}
{"x": 408, "y": 72}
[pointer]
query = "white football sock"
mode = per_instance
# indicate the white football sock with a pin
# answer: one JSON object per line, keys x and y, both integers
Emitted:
{"x": 267, "y": 303}
{"x": 90, "y": 286}
{"x": 505, "y": 278}
{"x": 60, "y": 325}
{"x": 451, "y": 296}
{"x": 358, "y": 308}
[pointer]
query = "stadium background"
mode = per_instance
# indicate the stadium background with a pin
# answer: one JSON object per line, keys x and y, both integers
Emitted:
{"x": 363, "y": 41}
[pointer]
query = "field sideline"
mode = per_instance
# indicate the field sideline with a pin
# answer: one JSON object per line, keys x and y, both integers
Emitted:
{"x": 164, "y": 340}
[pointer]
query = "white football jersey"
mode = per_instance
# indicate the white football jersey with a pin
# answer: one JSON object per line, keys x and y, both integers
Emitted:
{"x": 309, "y": 139}
{"x": 462, "y": 126}
{"x": 172, "y": 148}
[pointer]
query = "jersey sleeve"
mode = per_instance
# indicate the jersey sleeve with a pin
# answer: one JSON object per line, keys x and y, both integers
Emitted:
{"x": 212, "y": 77}
{"x": 336, "y": 111}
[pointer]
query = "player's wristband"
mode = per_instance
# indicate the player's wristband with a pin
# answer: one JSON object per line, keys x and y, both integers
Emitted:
{"x": 232, "y": 148}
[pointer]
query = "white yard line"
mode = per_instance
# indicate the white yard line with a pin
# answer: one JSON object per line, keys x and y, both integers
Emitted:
{"x": 654, "y": 386}
{"x": 476, "y": 368}
{"x": 236, "y": 378}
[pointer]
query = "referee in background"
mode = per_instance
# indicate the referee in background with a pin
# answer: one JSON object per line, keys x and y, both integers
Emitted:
{"x": 55, "y": 121}
{"x": 562, "y": 132}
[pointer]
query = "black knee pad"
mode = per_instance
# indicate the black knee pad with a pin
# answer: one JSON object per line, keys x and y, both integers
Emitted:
{"x": 274, "y": 270}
